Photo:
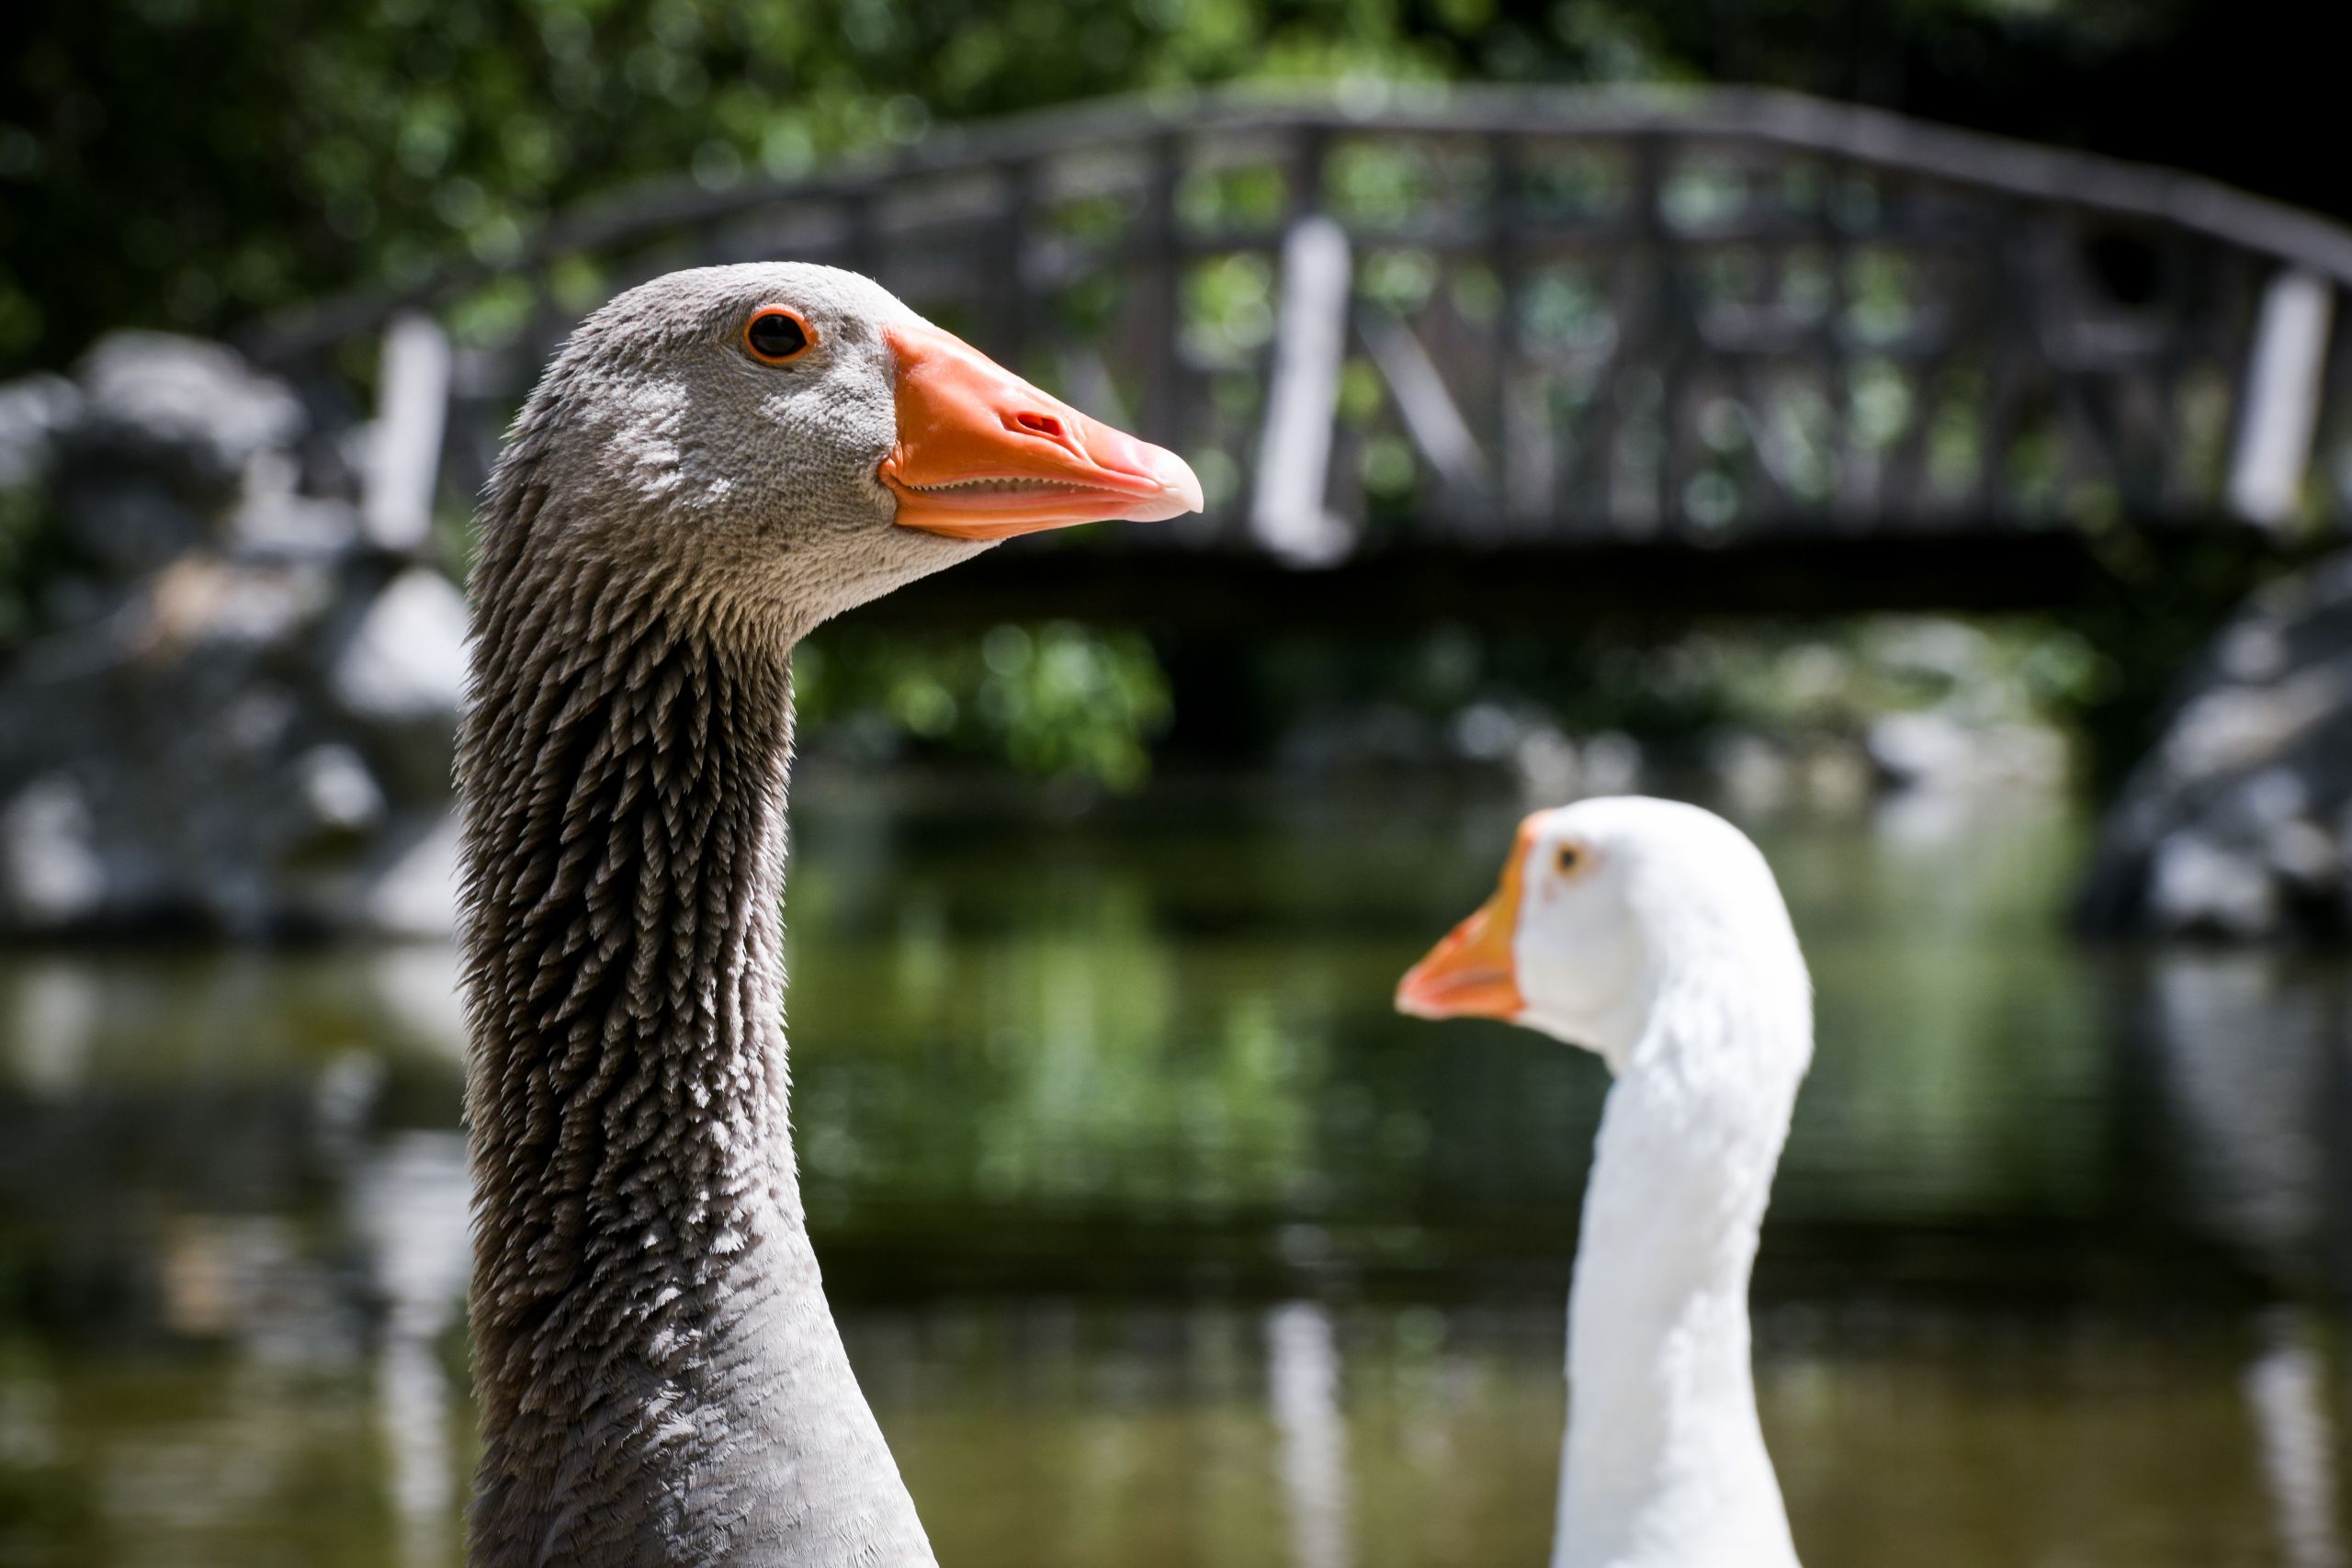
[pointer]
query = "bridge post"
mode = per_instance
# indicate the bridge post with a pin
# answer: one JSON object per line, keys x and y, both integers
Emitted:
{"x": 1287, "y": 513}
{"x": 404, "y": 458}
{"x": 2283, "y": 383}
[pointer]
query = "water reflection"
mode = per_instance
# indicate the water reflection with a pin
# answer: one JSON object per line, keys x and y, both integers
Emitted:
{"x": 409, "y": 1203}
{"x": 1114, "y": 1145}
{"x": 1303, "y": 1375}
{"x": 2286, "y": 1390}
{"x": 2250, "y": 1052}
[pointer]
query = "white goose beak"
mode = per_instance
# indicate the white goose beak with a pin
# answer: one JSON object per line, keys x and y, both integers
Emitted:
{"x": 1473, "y": 972}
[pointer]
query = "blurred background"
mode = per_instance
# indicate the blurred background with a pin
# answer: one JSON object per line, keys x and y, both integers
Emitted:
{"x": 1922, "y": 431}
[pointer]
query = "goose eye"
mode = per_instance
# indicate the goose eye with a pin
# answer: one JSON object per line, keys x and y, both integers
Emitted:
{"x": 778, "y": 336}
{"x": 1569, "y": 859}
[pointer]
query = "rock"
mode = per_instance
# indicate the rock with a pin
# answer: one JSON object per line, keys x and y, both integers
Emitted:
{"x": 226, "y": 717}
{"x": 1754, "y": 775}
{"x": 123, "y": 522}
{"x": 284, "y": 525}
{"x": 1936, "y": 750}
{"x": 50, "y": 874}
{"x": 339, "y": 792}
{"x": 398, "y": 675}
{"x": 32, "y": 410}
{"x": 2196, "y": 886}
{"x": 201, "y": 601}
{"x": 2233, "y": 827}
{"x": 405, "y": 661}
{"x": 415, "y": 893}
{"x": 163, "y": 435}
{"x": 180, "y": 409}
{"x": 1912, "y": 750}
{"x": 1836, "y": 777}
{"x": 2243, "y": 725}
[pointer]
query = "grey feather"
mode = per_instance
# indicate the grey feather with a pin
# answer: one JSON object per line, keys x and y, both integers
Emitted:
{"x": 659, "y": 1376}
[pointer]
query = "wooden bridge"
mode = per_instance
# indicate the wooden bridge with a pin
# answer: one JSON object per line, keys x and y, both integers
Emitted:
{"x": 1513, "y": 351}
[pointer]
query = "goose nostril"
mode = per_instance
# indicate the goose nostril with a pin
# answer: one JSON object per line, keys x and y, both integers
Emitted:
{"x": 1043, "y": 424}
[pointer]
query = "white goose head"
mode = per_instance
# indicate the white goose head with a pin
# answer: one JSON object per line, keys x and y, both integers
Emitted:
{"x": 1609, "y": 910}
{"x": 1653, "y": 933}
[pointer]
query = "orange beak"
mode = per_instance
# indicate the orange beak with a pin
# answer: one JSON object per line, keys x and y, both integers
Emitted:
{"x": 984, "y": 455}
{"x": 1471, "y": 973}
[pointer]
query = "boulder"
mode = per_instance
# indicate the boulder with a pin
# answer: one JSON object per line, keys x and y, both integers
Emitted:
{"x": 397, "y": 675}
{"x": 2235, "y": 826}
{"x": 180, "y": 409}
{"x": 31, "y": 413}
{"x": 49, "y": 873}
{"x": 404, "y": 662}
{"x": 230, "y": 715}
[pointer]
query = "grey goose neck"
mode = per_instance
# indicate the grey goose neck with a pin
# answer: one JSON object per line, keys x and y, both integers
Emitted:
{"x": 661, "y": 1379}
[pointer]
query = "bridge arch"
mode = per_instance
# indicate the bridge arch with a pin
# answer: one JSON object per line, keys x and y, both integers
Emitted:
{"x": 1612, "y": 328}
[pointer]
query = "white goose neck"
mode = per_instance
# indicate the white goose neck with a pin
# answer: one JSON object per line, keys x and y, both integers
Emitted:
{"x": 1665, "y": 1464}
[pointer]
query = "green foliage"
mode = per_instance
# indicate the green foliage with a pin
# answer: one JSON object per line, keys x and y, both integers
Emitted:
{"x": 1817, "y": 679}
{"x": 1057, "y": 700}
{"x": 1837, "y": 678}
{"x": 193, "y": 163}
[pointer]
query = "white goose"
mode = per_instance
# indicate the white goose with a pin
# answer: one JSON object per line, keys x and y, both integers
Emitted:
{"x": 1653, "y": 934}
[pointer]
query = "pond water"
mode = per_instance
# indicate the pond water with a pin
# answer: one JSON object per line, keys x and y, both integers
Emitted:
{"x": 1158, "y": 1240}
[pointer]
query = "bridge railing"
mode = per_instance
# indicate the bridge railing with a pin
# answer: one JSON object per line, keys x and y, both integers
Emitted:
{"x": 1520, "y": 319}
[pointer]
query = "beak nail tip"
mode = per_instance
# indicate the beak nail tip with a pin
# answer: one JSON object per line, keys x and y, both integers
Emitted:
{"x": 1177, "y": 480}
